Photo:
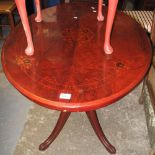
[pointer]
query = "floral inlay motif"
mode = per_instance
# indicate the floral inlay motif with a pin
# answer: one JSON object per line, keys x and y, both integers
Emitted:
{"x": 25, "y": 63}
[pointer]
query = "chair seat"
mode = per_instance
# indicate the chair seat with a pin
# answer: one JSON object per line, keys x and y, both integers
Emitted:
{"x": 7, "y": 6}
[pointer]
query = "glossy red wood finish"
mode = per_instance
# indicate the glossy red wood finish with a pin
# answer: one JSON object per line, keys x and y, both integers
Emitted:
{"x": 70, "y": 58}
{"x": 24, "y": 19}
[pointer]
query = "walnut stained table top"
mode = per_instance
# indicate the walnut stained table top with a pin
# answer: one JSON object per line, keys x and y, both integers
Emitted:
{"x": 69, "y": 70}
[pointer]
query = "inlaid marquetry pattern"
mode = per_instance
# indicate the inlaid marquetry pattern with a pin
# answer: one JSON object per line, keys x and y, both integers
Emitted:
{"x": 25, "y": 63}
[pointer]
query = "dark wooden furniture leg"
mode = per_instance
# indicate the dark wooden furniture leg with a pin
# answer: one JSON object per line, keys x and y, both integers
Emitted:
{"x": 98, "y": 130}
{"x": 60, "y": 124}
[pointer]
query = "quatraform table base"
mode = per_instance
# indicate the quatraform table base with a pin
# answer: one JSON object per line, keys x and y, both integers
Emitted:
{"x": 92, "y": 116}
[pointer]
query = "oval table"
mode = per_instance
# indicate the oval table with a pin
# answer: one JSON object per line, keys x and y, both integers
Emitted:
{"x": 70, "y": 71}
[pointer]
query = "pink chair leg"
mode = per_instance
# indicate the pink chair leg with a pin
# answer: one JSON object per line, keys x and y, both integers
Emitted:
{"x": 38, "y": 17}
{"x": 24, "y": 19}
{"x": 100, "y": 15}
{"x": 110, "y": 19}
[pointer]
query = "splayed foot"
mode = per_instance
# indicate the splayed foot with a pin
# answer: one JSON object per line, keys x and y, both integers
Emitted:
{"x": 100, "y": 18}
{"x": 29, "y": 51}
{"x": 108, "y": 49}
{"x": 38, "y": 19}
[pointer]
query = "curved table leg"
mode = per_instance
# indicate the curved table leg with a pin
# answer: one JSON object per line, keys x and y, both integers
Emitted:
{"x": 98, "y": 130}
{"x": 60, "y": 124}
{"x": 24, "y": 19}
{"x": 110, "y": 20}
